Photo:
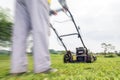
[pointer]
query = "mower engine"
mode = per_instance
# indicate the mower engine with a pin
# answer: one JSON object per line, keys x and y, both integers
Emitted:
{"x": 81, "y": 56}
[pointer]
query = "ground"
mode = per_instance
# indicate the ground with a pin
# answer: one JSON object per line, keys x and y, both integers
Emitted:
{"x": 102, "y": 69}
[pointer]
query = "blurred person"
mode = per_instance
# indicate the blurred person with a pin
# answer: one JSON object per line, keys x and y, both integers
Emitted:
{"x": 31, "y": 15}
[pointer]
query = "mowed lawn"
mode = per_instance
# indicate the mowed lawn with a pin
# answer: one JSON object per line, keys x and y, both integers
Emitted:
{"x": 102, "y": 69}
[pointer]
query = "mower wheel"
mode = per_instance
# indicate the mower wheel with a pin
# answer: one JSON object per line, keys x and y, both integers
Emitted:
{"x": 67, "y": 58}
{"x": 89, "y": 59}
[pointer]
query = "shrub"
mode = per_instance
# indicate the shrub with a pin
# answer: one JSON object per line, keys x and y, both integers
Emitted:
{"x": 118, "y": 54}
{"x": 110, "y": 55}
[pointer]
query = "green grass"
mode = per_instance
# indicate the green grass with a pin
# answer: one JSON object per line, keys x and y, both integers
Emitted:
{"x": 102, "y": 69}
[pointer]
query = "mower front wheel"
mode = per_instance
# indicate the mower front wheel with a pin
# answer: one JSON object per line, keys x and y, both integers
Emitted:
{"x": 67, "y": 58}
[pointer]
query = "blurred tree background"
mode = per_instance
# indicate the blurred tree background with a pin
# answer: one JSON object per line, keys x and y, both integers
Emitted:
{"x": 6, "y": 23}
{"x": 107, "y": 47}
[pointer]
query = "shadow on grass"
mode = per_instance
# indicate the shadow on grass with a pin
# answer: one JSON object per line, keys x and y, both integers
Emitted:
{"x": 9, "y": 75}
{"x": 88, "y": 68}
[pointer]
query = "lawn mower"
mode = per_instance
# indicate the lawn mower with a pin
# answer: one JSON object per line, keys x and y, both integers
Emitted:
{"x": 81, "y": 54}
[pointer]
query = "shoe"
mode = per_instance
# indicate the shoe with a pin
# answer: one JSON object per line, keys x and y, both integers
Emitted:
{"x": 17, "y": 74}
{"x": 51, "y": 70}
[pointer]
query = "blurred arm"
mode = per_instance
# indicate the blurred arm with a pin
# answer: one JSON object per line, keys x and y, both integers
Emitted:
{"x": 63, "y": 3}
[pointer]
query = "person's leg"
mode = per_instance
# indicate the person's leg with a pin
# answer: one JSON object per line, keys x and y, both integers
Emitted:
{"x": 20, "y": 33}
{"x": 39, "y": 12}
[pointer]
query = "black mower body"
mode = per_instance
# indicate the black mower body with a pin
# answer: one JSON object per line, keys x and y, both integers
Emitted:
{"x": 81, "y": 55}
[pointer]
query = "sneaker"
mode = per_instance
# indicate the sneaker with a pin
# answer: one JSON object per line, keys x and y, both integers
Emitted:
{"x": 50, "y": 70}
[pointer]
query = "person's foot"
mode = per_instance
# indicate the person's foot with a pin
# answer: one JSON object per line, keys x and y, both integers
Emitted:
{"x": 51, "y": 70}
